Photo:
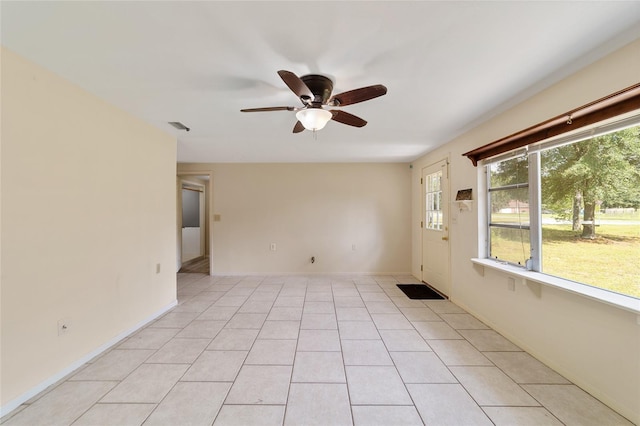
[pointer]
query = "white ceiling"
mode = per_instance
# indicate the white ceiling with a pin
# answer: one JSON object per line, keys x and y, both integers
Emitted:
{"x": 447, "y": 65}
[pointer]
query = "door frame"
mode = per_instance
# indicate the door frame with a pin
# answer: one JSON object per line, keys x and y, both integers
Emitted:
{"x": 208, "y": 196}
{"x": 446, "y": 222}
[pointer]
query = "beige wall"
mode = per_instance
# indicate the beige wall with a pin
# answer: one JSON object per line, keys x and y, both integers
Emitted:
{"x": 88, "y": 210}
{"x": 593, "y": 344}
{"x": 319, "y": 210}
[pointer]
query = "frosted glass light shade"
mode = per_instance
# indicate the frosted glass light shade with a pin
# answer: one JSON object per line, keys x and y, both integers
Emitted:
{"x": 314, "y": 118}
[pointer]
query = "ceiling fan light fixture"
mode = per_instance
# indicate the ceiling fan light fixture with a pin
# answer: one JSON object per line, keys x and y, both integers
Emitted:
{"x": 314, "y": 118}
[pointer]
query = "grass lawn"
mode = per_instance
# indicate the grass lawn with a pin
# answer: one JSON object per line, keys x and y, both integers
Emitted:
{"x": 610, "y": 261}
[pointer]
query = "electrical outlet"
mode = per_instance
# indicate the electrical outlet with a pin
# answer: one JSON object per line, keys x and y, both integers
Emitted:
{"x": 272, "y": 247}
{"x": 353, "y": 247}
{"x": 64, "y": 326}
{"x": 511, "y": 284}
{"x": 157, "y": 268}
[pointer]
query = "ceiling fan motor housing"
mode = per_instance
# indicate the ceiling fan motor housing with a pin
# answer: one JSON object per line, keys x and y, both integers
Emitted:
{"x": 320, "y": 86}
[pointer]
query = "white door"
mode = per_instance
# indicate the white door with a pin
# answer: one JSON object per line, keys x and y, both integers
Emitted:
{"x": 435, "y": 226}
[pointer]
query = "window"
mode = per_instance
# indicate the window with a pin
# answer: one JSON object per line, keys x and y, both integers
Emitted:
{"x": 570, "y": 207}
{"x": 508, "y": 187}
{"x": 434, "y": 201}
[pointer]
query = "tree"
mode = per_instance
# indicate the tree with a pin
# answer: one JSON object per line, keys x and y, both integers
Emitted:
{"x": 601, "y": 170}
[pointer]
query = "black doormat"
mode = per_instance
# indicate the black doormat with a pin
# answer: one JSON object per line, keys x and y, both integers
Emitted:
{"x": 419, "y": 291}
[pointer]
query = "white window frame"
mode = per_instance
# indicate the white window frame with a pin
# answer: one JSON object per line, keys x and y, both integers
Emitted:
{"x": 531, "y": 271}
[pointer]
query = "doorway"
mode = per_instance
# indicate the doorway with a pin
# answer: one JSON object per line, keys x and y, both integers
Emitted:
{"x": 435, "y": 226}
{"x": 194, "y": 236}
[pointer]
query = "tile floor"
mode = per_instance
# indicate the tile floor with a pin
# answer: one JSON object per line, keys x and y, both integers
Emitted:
{"x": 312, "y": 351}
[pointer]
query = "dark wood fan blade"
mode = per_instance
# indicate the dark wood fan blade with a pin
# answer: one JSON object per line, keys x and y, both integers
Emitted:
{"x": 296, "y": 85}
{"x": 267, "y": 109}
{"x": 357, "y": 95}
{"x": 348, "y": 119}
{"x": 298, "y": 127}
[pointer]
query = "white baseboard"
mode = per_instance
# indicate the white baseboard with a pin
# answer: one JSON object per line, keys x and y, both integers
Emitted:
{"x": 12, "y": 405}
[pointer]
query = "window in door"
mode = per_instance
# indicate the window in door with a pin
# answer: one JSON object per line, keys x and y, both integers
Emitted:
{"x": 433, "y": 199}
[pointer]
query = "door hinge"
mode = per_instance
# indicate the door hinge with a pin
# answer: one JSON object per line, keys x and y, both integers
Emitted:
{"x": 421, "y": 267}
{"x": 421, "y": 181}
{"x": 421, "y": 224}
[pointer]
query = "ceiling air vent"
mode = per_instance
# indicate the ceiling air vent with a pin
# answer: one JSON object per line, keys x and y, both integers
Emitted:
{"x": 178, "y": 125}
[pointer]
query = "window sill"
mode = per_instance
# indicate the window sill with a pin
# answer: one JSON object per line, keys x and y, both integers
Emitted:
{"x": 618, "y": 300}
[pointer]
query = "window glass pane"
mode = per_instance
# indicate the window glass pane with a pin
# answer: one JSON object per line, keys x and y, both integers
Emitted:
{"x": 510, "y": 206}
{"x": 591, "y": 211}
{"x": 509, "y": 172}
{"x": 433, "y": 198}
{"x": 510, "y": 245}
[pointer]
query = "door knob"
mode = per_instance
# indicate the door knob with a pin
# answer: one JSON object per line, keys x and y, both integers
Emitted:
{"x": 445, "y": 238}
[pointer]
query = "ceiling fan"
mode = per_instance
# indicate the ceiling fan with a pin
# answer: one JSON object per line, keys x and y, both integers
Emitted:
{"x": 314, "y": 91}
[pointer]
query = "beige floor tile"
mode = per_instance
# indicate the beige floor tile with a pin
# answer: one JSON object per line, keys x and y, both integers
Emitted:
{"x": 490, "y": 386}
{"x": 375, "y": 297}
{"x": 463, "y": 321}
{"x": 255, "y": 307}
{"x": 179, "y": 351}
{"x": 385, "y": 415}
{"x": 443, "y": 307}
{"x": 272, "y": 352}
{"x": 365, "y": 352}
{"x": 458, "y": 352}
{"x": 293, "y": 291}
{"x": 148, "y": 383}
{"x": 436, "y": 330}
{"x": 348, "y": 301}
{"x": 447, "y": 404}
{"x": 319, "y": 321}
{"x": 488, "y": 340}
{"x": 250, "y": 415}
{"x": 289, "y": 301}
{"x": 234, "y": 340}
{"x": 382, "y": 307}
{"x": 318, "y": 404}
{"x": 318, "y": 308}
{"x": 285, "y": 313}
{"x": 229, "y": 300}
{"x": 318, "y": 340}
{"x": 216, "y": 366}
{"x": 574, "y": 406}
{"x": 318, "y": 367}
{"x": 149, "y": 338}
{"x": 404, "y": 340}
{"x": 402, "y": 301}
{"x": 115, "y": 414}
{"x": 194, "y": 304}
{"x": 420, "y": 314}
{"x": 174, "y": 320}
{"x": 260, "y": 384}
{"x": 279, "y": 330}
{"x": 358, "y": 330}
{"x": 521, "y": 416}
{"x": 203, "y": 329}
{"x": 391, "y": 322}
{"x": 246, "y": 321}
{"x": 421, "y": 367}
{"x": 218, "y": 313}
{"x": 368, "y": 288}
{"x": 190, "y": 403}
{"x": 376, "y": 386}
{"x": 115, "y": 365}
{"x": 319, "y": 296}
{"x": 353, "y": 314}
{"x": 345, "y": 292}
{"x": 523, "y": 368}
{"x": 62, "y": 405}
